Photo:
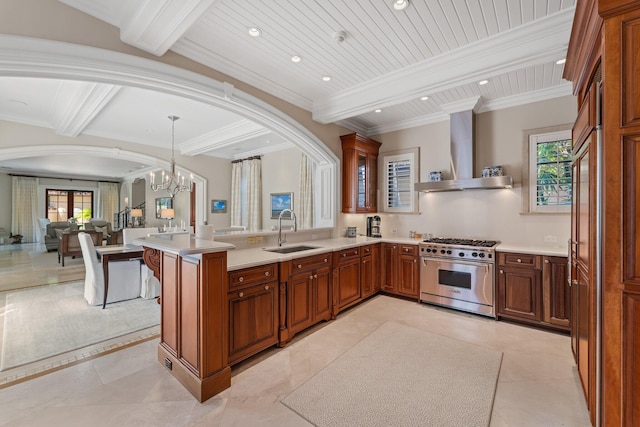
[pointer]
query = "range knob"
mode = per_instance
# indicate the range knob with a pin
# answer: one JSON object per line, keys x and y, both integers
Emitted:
{"x": 442, "y": 251}
{"x": 481, "y": 255}
{"x": 474, "y": 254}
{"x": 461, "y": 254}
{"x": 449, "y": 252}
{"x": 428, "y": 250}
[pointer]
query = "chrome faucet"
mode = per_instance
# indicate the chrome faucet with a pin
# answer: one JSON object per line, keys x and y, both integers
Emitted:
{"x": 295, "y": 225}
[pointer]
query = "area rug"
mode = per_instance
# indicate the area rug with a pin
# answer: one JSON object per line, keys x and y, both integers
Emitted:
{"x": 50, "y": 320}
{"x": 402, "y": 376}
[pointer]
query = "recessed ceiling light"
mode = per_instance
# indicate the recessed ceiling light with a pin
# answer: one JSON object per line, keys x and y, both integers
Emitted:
{"x": 483, "y": 82}
{"x": 378, "y": 111}
{"x": 296, "y": 59}
{"x": 255, "y": 32}
{"x": 561, "y": 61}
{"x": 326, "y": 78}
{"x": 424, "y": 98}
{"x": 400, "y": 4}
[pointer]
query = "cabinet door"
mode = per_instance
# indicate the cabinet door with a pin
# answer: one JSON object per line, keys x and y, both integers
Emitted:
{"x": 520, "y": 293}
{"x": 366, "y": 276}
{"x": 300, "y": 301}
{"x": 408, "y": 275}
{"x": 322, "y": 294}
{"x": 389, "y": 267}
{"x": 253, "y": 320}
{"x": 557, "y": 293}
{"x": 375, "y": 260}
{"x": 348, "y": 273}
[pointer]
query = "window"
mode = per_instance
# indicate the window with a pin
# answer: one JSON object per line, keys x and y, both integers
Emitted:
{"x": 549, "y": 175}
{"x": 62, "y": 202}
{"x": 400, "y": 170}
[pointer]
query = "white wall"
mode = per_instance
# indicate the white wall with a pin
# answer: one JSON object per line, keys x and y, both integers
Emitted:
{"x": 493, "y": 214}
{"x": 280, "y": 174}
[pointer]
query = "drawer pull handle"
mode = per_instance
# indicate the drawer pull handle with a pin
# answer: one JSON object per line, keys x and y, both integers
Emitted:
{"x": 546, "y": 261}
{"x": 414, "y": 260}
{"x": 311, "y": 277}
{"x": 299, "y": 265}
{"x": 241, "y": 279}
{"x": 266, "y": 273}
{"x": 344, "y": 255}
{"x": 325, "y": 260}
{"x": 241, "y": 294}
{"x": 501, "y": 271}
{"x": 519, "y": 260}
{"x": 266, "y": 288}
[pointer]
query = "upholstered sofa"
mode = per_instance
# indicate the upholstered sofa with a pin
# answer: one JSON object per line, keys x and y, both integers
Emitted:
{"x": 100, "y": 225}
{"x": 54, "y": 232}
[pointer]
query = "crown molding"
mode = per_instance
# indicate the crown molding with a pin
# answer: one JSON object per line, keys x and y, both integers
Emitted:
{"x": 408, "y": 123}
{"x": 236, "y": 132}
{"x": 154, "y": 26}
{"x": 354, "y": 125}
{"x": 262, "y": 150}
{"x": 543, "y": 40}
{"x": 461, "y": 105}
{"x": 78, "y": 103}
{"x": 558, "y": 91}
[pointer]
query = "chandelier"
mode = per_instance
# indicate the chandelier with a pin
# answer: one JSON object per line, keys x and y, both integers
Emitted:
{"x": 171, "y": 181}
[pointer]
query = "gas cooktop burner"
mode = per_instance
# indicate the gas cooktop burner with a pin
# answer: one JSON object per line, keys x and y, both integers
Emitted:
{"x": 462, "y": 242}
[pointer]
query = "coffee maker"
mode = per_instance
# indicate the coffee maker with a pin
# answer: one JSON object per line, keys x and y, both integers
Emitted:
{"x": 373, "y": 226}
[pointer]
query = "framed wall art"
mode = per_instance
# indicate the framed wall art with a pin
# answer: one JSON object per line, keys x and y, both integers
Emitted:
{"x": 279, "y": 202}
{"x": 218, "y": 206}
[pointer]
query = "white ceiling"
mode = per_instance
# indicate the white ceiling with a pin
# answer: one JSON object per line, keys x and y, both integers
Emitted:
{"x": 388, "y": 60}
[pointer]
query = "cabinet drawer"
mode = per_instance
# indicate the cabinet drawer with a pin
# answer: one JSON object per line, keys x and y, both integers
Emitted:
{"x": 408, "y": 250}
{"x": 310, "y": 262}
{"x": 348, "y": 254}
{"x": 519, "y": 260}
{"x": 253, "y": 275}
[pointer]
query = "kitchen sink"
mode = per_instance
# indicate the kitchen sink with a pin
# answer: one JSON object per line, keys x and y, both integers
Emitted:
{"x": 289, "y": 249}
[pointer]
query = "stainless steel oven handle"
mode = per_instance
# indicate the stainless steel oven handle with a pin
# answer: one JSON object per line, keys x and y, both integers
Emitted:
{"x": 457, "y": 261}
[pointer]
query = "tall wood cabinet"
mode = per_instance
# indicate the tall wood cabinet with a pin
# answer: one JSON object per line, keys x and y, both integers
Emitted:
{"x": 359, "y": 174}
{"x": 603, "y": 47}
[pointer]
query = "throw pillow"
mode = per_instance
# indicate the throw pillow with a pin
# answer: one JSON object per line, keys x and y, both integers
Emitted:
{"x": 59, "y": 233}
{"x": 102, "y": 230}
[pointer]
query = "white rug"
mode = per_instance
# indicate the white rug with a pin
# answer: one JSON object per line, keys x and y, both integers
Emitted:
{"x": 49, "y": 320}
{"x": 402, "y": 376}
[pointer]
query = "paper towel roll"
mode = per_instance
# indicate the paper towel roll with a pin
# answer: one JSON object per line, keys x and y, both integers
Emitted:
{"x": 205, "y": 232}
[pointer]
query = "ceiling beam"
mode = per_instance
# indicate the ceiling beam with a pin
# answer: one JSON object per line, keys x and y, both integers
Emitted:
{"x": 235, "y": 132}
{"x": 543, "y": 40}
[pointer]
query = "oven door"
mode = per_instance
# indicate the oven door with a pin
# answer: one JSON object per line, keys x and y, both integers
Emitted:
{"x": 459, "y": 280}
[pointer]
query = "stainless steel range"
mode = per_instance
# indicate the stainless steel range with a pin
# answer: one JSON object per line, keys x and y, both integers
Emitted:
{"x": 458, "y": 273}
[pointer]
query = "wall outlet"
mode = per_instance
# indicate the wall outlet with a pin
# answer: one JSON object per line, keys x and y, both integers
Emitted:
{"x": 259, "y": 240}
{"x": 550, "y": 238}
{"x": 251, "y": 241}
{"x": 394, "y": 230}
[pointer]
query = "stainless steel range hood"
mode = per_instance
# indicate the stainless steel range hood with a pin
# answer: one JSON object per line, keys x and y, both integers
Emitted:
{"x": 462, "y": 160}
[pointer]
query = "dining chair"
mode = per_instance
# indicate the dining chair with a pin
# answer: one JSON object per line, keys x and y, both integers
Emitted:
{"x": 124, "y": 276}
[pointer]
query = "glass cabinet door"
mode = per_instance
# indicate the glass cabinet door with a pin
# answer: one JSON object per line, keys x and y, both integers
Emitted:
{"x": 362, "y": 180}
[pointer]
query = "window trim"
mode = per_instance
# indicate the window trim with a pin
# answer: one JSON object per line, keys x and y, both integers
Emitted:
{"x": 413, "y": 156}
{"x": 528, "y": 191}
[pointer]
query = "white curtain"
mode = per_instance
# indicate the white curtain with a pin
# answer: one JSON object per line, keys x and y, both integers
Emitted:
{"x": 305, "y": 200}
{"x": 254, "y": 194}
{"x": 235, "y": 205}
{"x": 108, "y": 201}
{"x": 24, "y": 210}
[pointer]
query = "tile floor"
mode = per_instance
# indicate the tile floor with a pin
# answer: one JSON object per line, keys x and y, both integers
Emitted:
{"x": 538, "y": 383}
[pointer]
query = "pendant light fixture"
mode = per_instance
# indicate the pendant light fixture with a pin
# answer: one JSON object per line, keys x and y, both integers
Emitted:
{"x": 171, "y": 181}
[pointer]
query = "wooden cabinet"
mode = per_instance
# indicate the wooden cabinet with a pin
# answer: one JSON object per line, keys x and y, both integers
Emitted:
{"x": 305, "y": 292}
{"x": 400, "y": 269}
{"x": 194, "y": 320}
{"x": 369, "y": 270}
{"x": 359, "y": 173}
{"x": 533, "y": 289}
{"x": 346, "y": 277}
{"x": 253, "y": 311}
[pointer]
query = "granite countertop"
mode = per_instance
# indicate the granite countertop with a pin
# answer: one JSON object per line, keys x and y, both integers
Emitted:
{"x": 551, "y": 250}
{"x": 244, "y": 258}
{"x": 182, "y": 244}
